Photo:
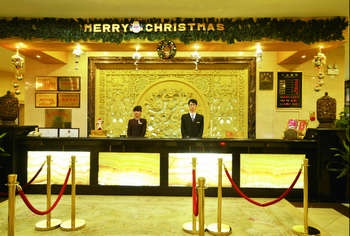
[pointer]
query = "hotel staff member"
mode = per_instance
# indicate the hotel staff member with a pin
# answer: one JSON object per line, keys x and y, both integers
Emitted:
{"x": 137, "y": 126}
{"x": 192, "y": 123}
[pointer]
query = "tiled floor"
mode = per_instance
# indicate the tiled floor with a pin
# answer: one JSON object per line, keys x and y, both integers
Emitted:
{"x": 333, "y": 217}
{"x": 136, "y": 215}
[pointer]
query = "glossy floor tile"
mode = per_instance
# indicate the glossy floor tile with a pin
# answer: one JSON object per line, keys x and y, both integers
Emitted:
{"x": 331, "y": 220}
{"x": 153, "y": 215}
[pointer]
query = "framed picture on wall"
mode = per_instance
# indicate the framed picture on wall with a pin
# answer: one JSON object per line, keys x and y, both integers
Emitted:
{"x": 58, "y": 118}
{"x": 46, "y": 100}
{"x": 46, "y": 83}
{"x": 266, "y": 80}
{"x": 69, "y": 83}
{"x": 69, "y": 100}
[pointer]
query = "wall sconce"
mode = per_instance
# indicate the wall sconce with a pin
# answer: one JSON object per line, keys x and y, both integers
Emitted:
{"x": 136, "y": 56}
{"x": 258, "y": 52}
{"x": 77, "y": 51}
{"x": 196, "y": 56}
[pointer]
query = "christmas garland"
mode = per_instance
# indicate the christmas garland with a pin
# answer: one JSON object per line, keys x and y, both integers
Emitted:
{"x": 235, "y": 30}
{"x": 166, "y": 49}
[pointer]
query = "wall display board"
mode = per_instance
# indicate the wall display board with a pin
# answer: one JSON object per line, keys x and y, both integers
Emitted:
{"x": 289, "y": 89}
{"x": 57, "y": 91}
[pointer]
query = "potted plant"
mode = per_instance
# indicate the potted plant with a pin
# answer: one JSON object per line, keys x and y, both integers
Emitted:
{"x": 339, "y": 163}
{"x": 344, "y": 118}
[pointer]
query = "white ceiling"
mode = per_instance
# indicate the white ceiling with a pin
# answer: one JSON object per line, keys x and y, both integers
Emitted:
{"x": 173, "y": 8}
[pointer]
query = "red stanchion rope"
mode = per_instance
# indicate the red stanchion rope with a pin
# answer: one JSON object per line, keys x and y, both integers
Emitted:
{"x": 36, "y": 175}
{"x": 194, "y": 194}
{"x": 30, "y": 181}
{"x": 38, "y": 212}
{"x": 283, "y": 195}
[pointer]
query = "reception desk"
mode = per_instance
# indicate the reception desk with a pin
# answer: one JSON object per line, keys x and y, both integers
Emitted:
{"x": 142, "y": 166}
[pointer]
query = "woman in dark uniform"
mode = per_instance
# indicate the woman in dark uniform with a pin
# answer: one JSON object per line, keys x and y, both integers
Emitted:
{"x": 137, "y": 126}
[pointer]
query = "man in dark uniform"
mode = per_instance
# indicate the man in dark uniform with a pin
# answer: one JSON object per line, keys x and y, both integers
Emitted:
{"x": 192, "y": 123}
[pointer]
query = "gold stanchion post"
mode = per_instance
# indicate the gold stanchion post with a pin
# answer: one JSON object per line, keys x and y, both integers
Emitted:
{"x": 192, "y": 227}
{"x": 48, "y": 224}
{"x": 12, "y": 182}
{"x": 306, "y": 229}
{"x": 73, "y": 223}
{"x": 201, "y": 196}
{"x": 219, "y": 228}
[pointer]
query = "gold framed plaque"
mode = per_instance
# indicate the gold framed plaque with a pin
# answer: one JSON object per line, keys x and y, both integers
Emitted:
{"x": 69, "y": 83}
{"x": 45, "y": 100}
{"x": 46, "y": 83}
{"x": 266, "y": 80}
{"x": 69, "y": 100}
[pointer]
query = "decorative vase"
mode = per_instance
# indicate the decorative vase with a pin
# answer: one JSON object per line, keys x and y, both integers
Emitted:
{"x": 326, "y": 111}
{"x": 8, "y": 108}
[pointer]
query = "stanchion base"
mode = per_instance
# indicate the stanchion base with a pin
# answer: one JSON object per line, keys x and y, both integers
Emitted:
{"x": 299, "y": 230}
{"x": 43, "y": 225}
{"x": 67, "y": 225}
{"x": 188, "y": 228}
{"x": 213, "y": 229}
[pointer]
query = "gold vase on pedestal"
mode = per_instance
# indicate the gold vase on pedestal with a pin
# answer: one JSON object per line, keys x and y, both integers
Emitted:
{"x": 326, "y": 111}
{"x": 8, "y": 108}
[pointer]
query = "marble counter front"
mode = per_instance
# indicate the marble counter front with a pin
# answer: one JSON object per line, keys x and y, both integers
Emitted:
{"x": 144, "y": 166}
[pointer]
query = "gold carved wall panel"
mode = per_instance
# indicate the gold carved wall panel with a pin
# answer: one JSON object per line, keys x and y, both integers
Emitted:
{"x": 222, "y": 98}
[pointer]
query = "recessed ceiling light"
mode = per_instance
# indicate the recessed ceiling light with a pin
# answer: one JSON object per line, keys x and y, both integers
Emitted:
{"x": 38, "y": 56}
{"x": 303, "y": 56}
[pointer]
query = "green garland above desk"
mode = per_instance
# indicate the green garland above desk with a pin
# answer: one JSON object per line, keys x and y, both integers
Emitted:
{"x": 186, "y": 30}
